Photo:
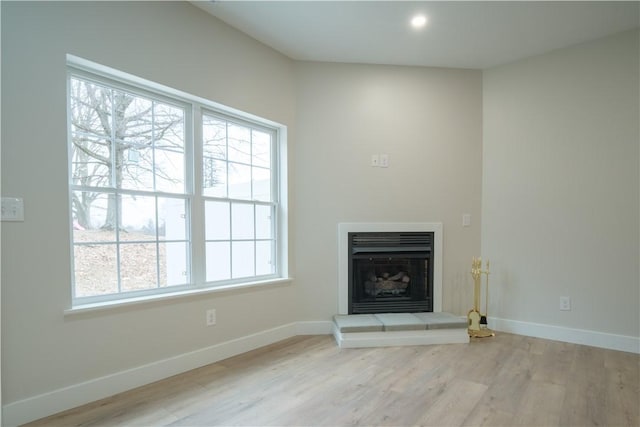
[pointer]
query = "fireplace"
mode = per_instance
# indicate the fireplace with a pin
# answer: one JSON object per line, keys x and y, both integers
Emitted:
{"x": 390, "y": 272}
{"x": 389, "y": 267}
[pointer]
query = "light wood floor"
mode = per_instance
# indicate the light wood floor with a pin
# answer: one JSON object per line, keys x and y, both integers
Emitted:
{"x": 508, "y": 380}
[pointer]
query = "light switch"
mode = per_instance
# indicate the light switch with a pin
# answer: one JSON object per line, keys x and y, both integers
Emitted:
{"x": 384, "y": 161}
{"x": 375, "y": 160}
{"x": 466, "y": 220}
{"x": 12, "y": 209}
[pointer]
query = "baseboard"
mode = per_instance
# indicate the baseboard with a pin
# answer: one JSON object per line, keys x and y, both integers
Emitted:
{"x": 46, "y": 404}
{"x": 576, "y": 336}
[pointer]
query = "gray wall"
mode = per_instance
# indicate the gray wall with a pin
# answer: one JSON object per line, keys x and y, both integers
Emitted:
{"x": 174, "y": 44}
{"x": 429, "y": 122}
{"x": 560, "y": 186}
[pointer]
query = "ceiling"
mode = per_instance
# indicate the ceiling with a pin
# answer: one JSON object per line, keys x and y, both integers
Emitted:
{"x": 459, "y": 34}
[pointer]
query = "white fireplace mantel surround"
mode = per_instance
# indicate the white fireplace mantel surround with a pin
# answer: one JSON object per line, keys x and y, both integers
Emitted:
{"x": 381, "y": 227}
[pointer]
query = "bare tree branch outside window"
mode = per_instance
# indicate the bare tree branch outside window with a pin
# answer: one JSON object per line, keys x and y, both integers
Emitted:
{"x": 136, "y": 174}
{"x": 123, "y": 141}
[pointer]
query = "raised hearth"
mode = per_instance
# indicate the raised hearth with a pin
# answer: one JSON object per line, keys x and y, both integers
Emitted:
{"x": 394, "y": 329}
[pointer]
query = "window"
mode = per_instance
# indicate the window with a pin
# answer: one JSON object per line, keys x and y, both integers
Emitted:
{"x": 167, "y": 192}
{"x": 239, "y": 199}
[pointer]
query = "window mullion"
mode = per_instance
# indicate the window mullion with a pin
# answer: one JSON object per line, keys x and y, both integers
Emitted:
{"x": 193, "y": 133}
{"x": 226, "y": 150}
{"x": 255, "y": 241}
{"x": 153, "y": 146}
{"x": 155, "y": 187}
{"x": 157, "y": 244}
{"x": 253, "y": 206}
{"x": 231, "y": 240}
{"x": 116, "y": 192}
{"x": 251, "y": 182}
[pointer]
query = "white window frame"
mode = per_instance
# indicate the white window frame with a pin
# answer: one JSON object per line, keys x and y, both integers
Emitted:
{"x": 195, "y": 107}
{"x": 275, "y": 191}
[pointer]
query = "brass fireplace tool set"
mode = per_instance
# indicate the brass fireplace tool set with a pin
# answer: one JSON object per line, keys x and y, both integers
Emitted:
{"x": 478, "y": 321}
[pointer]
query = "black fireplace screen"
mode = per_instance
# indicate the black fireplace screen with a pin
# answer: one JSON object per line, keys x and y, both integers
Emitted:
{"x": 390, "y": 272}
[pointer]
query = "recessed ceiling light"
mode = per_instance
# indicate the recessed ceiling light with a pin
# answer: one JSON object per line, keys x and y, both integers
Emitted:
{"x": 418, "y": 21}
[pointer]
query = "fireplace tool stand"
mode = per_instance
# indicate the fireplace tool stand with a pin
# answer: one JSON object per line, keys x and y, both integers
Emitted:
{"x": 478, "y": 321}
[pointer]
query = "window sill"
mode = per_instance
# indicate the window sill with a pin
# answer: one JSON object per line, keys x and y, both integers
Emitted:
{"x": 150, "y": 299}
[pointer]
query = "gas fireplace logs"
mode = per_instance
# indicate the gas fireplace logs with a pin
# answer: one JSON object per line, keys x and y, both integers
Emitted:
{"x": 386, "y": 283}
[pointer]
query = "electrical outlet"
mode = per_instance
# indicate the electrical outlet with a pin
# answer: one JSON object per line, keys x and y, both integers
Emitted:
{"x": 211, "y": 317}
{"x": 565, "y": 303}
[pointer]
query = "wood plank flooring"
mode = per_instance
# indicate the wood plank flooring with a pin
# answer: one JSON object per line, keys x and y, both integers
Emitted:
{"x": 508, "y": 380}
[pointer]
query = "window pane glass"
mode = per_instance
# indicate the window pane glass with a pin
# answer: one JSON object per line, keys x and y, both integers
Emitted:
{"x": 133, "y": 132}
{"x": 242, "y": 221}
{"x": 214, "y": 137}
{"x": 89, "y": 217}
{"x": 138, "y": 266}
{"x": 217, "y": 223}
{"x": 264, "y": 222}
{"x": 214, "y": 174}
{"x": 90, "y": 119}
{"x": 138, "y": 218}
{"x": 133, "y": 119}
{"x": 261, "y": 149}
{"x": 96, "y": 270}
{"x": 242, "y": 259}
{"x": 169, "y": 137}
{"x": 264, "y": 258}
{"x": 172, "y": 218}
{"x": 134, "y": 167}
{"x": 218, "y": 261}
{"x": 170, "y": 171}
{"x": 262, "y": 184}
{"x": 239, "y": 143}
{"x": 90, "y": 108}
{"x": 150, "y": 144}
{"x": 239, "y": 181}
{"x": 173, "y": 264}
{"x": 90, "y": 161}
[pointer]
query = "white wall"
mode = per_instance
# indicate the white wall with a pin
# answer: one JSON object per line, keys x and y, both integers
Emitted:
{"x": 174, "y": 44}
{"x": 429, "y": 122}
{"x": 561, "y": 187}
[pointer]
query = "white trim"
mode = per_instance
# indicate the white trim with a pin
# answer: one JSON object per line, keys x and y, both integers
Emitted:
{"x": 353, "y": 227}
{"x": 55, "y": 401}
{"x": 560, "y": 333}
{"x": 50, "y": 403}
{"x": 161, "y": 297}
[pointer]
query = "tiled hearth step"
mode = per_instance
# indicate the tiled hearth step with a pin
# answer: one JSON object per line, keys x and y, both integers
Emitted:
{"x": 394, "y": 329}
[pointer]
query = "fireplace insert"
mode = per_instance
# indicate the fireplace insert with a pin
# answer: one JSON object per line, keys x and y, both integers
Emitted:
{"x": 390, "y": 272}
